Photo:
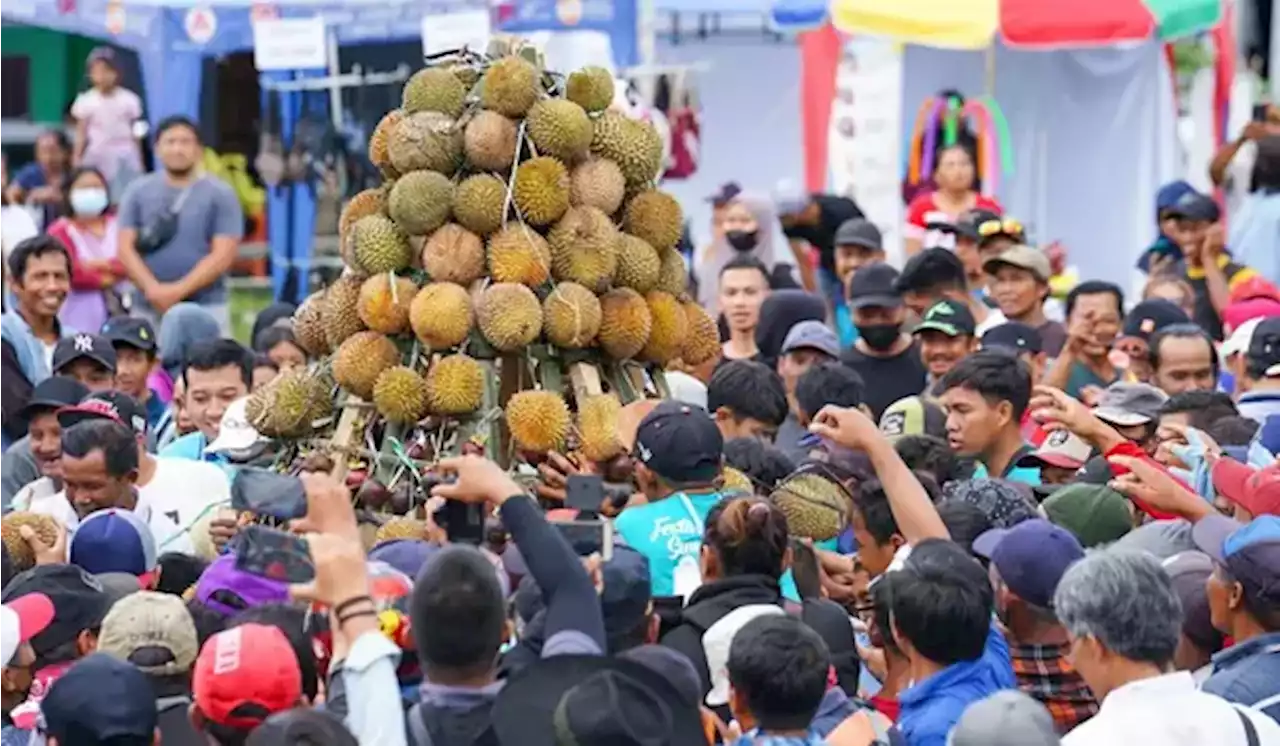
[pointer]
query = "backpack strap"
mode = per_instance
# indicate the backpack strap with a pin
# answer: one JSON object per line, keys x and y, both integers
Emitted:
{"x": 1250, "y": 732}
{"x": 418, "y": 734}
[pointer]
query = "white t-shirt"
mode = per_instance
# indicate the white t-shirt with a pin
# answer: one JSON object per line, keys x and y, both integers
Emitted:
{"x": 109, "y": 139}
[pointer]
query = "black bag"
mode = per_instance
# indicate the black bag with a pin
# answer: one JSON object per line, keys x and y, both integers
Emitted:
{"x": 160, "y": 231}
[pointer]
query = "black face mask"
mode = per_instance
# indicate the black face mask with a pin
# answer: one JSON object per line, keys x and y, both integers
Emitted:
{"x": 879, "y": 337}
{"x": 742, "y": 240}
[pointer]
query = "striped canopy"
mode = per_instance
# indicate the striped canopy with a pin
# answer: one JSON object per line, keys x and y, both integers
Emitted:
{"x": 972, "y": 24}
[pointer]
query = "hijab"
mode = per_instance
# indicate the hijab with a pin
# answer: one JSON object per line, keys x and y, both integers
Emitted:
{"x": 182, "y": 327}
{"x": 769, "y": 241}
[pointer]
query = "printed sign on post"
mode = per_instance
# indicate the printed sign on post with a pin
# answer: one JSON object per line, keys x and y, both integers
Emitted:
{"x": 289, "y": 44}
{"x": 445, "y": 31}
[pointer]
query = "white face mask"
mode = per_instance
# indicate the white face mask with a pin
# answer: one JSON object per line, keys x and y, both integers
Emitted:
{"x": 88, "y": 202}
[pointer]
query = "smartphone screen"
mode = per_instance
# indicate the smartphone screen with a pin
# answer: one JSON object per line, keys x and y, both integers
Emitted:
{"x": 462, "y": 522}
{"x": 266, "y": 492}
{"x": 588, "y": 537}
{"x": 584, "y": 492}
{"x": 269, "y": 553}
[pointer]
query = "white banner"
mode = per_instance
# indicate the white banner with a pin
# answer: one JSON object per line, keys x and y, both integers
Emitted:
{"x": 289, "y": 44}
{"x": 445, "y": 31}
{"x": 865, "y": 145}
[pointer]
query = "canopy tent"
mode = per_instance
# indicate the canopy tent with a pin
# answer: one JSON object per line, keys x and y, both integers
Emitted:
{"x": 1086, "y": 88}
{"x": 782, "y": 15}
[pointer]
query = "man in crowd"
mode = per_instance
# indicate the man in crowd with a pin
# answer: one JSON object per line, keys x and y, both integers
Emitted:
{"x": 1183, "y": 359}
{"x": 946, "y": 336}
{"x": 810, "y": 222}
{"x": 969, "y": 244}
{"x": 100, "y": 700}
{"x": 808, "y": 344}
{"x": 858, "y": 243}
{"x": 1094, "y": 311}
{"x": 678, "y": 452}
{"x": 1261, "y": 384}
{"x": 744, "y": 284}
{"x": 1140, "y": 324}
{"x": 1123, "y": 620}
{"x": 937, "y": 274}
{"x": 985, "y": 397}
{"x": 747, "y": 400}
{"x": 179, "y": 229}
{"x": 242, "y": 676}
{"x": 1027, "y": 562}
{"x": 36, "y": 460}
{"x": 135, "y": 344}
{"x": 39, "y": 275}
{"x": 1059, "y": 458}
{"x": 1207, "y": 266}
{"x": 1133, "y": 409}
{"x": 1019, "y": 283}
{"x": 22, "y": 619}
{"x": 883, "y": 355}
{"x": 216, "y": 373}
{"x": 88, "y": 358}
{"x": 1025, "y": 343}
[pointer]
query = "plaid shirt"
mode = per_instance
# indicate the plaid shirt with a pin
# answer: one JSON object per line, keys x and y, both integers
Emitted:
{"x": 1044, "y": 673}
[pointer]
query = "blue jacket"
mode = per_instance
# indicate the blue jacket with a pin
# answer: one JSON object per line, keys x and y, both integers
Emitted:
{"x": 931, "y": 708}
{"x": 1248, "y": 673}
{"x": 28, "y": 349}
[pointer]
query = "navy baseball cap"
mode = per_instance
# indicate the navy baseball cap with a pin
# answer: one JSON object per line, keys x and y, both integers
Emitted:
{"x": 130, "y": 331}
{"x": 1194, "y": 206}
{"x": 949, "y": 317}
{"x": 55, "y": 392}
{"x": 88, "y": 346}
{"x": 680, "y": 443}
{"x": 116, "y": 406}
{"x": 114, "y": 540}
{"x": 1250, "y": 552}
{"x": 408, "y": 556}
{"x": 1031, "y": 557}
{"x": 1014, "y": 336}
{"x": 98, "y": 700}
{"x": 1150, "y": 316}
{"x": 725, "y": 194}
{"x": 626, "y": 595}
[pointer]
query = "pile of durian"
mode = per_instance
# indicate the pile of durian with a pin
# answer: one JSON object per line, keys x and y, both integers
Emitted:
{"x": 518, "y": 210}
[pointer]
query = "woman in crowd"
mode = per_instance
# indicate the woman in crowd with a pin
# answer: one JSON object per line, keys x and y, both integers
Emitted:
{"x": 749, "y": 226}
{"x": 955, "y": 194}
{"x": 88, "y": 229}
{"x": 39, "y": 183}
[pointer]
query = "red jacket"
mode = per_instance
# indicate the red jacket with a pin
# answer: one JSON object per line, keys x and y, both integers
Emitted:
{"x": 82, "y": 278}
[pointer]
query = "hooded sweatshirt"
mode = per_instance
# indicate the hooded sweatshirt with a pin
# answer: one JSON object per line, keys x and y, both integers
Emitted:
{"x": 782, "y": 310}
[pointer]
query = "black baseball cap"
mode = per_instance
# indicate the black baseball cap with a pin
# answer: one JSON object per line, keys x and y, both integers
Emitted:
{"x": 79, "y": 602}
{"x": 1150, "y": 316}
{"x": 968, "y": 223}
{"x": 1014, "y": 336}
{"x": 55, "y": 392}
{"x": 89, "y": 346}
{"x": 950, "y": 317}
{"x": 116, "y": 406}
{"x": 872, "y": 285}
{"x": 859, "y": 232}
{"x": 626, "y": 595}
{"x": 98, "y": 700}
{"x": 725, "y": 193}
{"x": 130, "y": 331}
{"x": 1194, "y": 206}
{"x": 680, "y": 443}
{"x": 1264, "y": 347}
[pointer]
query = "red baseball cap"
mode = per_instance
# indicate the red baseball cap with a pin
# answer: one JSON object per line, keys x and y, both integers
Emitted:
{"x": 1255, "y": 490}
{"x": 23, "y": 618}
{"x": 245, "y": 674}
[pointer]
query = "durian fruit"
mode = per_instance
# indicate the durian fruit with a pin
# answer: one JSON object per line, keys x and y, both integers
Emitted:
{"x": 638, "y": 264}
{"x": 361, "y": 359}
{"x": 538, "y": 420}
{"x": 625, "y": 323}
{"x": 46, "y": 529}
{"x": 509, "y": 316}
{"x": 669, "y": 328}
{"x": 584, "y": 248}
{"x": 673, "y": 276}
{"x": 453, "y": 254}
{"x": 736, "y": 481}
{"x": 510, "y": 86}
{"x": 591, "y": 88}
{"x": 468, "y": 74}
{"x": 816, "y": 508}
{"x": 455, "y": 385}
{"x": 287, "y": 407}
{"x": 598, "y": 426}
{"x": 308, "y": 325}
{"x": 428, "y": 141}
{"x": 559, "y": 128}
{"x": 400, "y": 394}
{"x": 340, "y": 314}
{"x": 478, "y": 203}
{"x": 368, "y": 202}
{"x": 490, "y": 142}
{"x": 517, "y": 253}
{"x": 384, "y": 302}
{"x": 379, "y": 140}
{"x": 702, "y": 337}
{"x": 441, "y": 315}
{"x": 633, "y": 145}
{"x": 654, "y": 216}
{"x": 597, "y": 183}
{"x": 571, "y": 316}
{"x": 541, "y": 190}
{"x": 401, "y": 527}
{"x": 379, "y": 245}
{"x": 420, "y": 201}
{"x": 434, "y": 89}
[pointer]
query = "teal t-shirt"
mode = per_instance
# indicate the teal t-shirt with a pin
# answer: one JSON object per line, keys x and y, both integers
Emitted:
{"x": 191, "y": 447}
{"x": 1024, "y": 474}
{"x": 1082, "y": 377}
{"x": 667, "y": 532}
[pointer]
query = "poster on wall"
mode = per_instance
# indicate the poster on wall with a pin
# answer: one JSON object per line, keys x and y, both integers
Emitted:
{"x": 866, "y": 140}
{"x": 443, "y": 32}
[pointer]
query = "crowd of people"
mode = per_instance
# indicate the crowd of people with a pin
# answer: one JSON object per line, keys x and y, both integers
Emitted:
{"x": 947, "y": 504}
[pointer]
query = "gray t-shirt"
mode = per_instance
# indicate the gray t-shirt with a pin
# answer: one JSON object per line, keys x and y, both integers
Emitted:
{"x": 210, "y": 209}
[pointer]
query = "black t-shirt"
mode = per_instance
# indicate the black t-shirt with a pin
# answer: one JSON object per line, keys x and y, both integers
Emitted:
{"x": 888, "y": 379}
{"x": 834, "y": 211}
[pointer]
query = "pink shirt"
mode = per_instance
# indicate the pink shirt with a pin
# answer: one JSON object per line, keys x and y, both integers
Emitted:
{"x": 110, "y": 144}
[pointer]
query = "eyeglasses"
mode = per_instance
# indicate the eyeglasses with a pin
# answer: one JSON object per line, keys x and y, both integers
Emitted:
{"x": 1006, "y": 226}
